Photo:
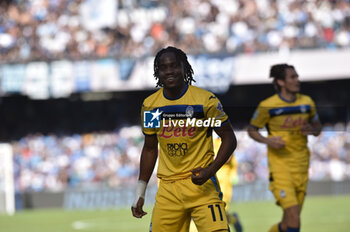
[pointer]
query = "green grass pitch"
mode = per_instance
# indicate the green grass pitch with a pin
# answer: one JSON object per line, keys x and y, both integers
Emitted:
{"x": 320, "y": 214}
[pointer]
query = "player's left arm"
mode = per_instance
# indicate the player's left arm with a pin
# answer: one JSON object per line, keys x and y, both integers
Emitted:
{"x": 228, "y": 145}
{"x": 312, "y": 128}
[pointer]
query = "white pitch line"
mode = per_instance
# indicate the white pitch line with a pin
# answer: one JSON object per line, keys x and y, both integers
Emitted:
{"x": 102, "y": 224}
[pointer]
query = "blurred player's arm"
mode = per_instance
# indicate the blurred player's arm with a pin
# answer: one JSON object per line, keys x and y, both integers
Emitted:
{"x": 228, "y": 145}
{"x": 312, "y": 128}
{"x": 148, "y": 160}
{"x": 275, "y": 142}
{"x": 260, "y": 118}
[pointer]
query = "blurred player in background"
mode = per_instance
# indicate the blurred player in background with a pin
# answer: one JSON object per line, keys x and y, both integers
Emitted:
{"x": 289, "y": 117}
{"x": 188, "y": 187}
{"x": 228, "y": 177}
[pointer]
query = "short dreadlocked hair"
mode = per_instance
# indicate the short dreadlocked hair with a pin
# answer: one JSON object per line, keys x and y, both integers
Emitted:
{"x": 181, "y": 57}
{"x": 278, "y": 72}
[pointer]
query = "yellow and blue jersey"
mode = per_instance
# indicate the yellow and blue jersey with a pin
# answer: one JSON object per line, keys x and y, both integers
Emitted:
{"x": 184, "y": 142}
{"x": 284, "y": 119}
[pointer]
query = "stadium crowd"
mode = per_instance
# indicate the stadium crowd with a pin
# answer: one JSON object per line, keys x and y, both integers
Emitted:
{"x": 78, "y": 29}
{"x": 52, "y": 163}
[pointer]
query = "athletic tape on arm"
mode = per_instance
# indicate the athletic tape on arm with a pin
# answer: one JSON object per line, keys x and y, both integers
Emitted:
{"x": 140, "y": 191}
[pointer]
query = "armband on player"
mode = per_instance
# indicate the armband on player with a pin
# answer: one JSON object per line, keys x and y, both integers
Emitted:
{"x": 140, "y": 192}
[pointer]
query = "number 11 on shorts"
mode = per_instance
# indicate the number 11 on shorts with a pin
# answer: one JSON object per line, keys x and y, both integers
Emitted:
{"x": 211, "y": 207}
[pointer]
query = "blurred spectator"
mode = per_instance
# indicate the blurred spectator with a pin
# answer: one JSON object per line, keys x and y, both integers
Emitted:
{"x": 330, "y": 153}
{"x": 83, "y": 29}
{"x": 54, "y": 163}
{"x": 98, "y": 159}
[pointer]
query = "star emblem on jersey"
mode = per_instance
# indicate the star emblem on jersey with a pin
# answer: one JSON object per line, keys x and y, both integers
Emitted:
{"x": 189, "y": 111}
{"x": 151, "y": 119}
{"x": 156, "y": 115}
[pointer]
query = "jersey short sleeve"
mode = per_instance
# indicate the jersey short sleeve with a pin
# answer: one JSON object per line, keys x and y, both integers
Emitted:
{"x": 313, "y": 112}
{"x": 216, "y": 110}
{"x": 260, "y": 117}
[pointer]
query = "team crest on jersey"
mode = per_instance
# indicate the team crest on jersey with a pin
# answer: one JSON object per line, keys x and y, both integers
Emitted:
{"x": 189, "y": 111}
{"x": 283, "y": 193}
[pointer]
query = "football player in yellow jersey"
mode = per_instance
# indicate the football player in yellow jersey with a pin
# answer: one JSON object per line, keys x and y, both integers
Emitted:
{"x": 181, "y": 117}
{"x": 288, "y": 117}
{"x": 227, "y": 176}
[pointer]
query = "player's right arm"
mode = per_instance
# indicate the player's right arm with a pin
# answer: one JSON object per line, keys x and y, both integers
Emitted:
{"x": 275, "y": 142}
{"x": 148, "y": 160}
{"x": 260, "y": 118}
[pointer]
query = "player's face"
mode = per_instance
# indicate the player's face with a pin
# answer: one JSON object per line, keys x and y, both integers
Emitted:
{"x": 170, "y": 71}
{"x": 291, "y": 82}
